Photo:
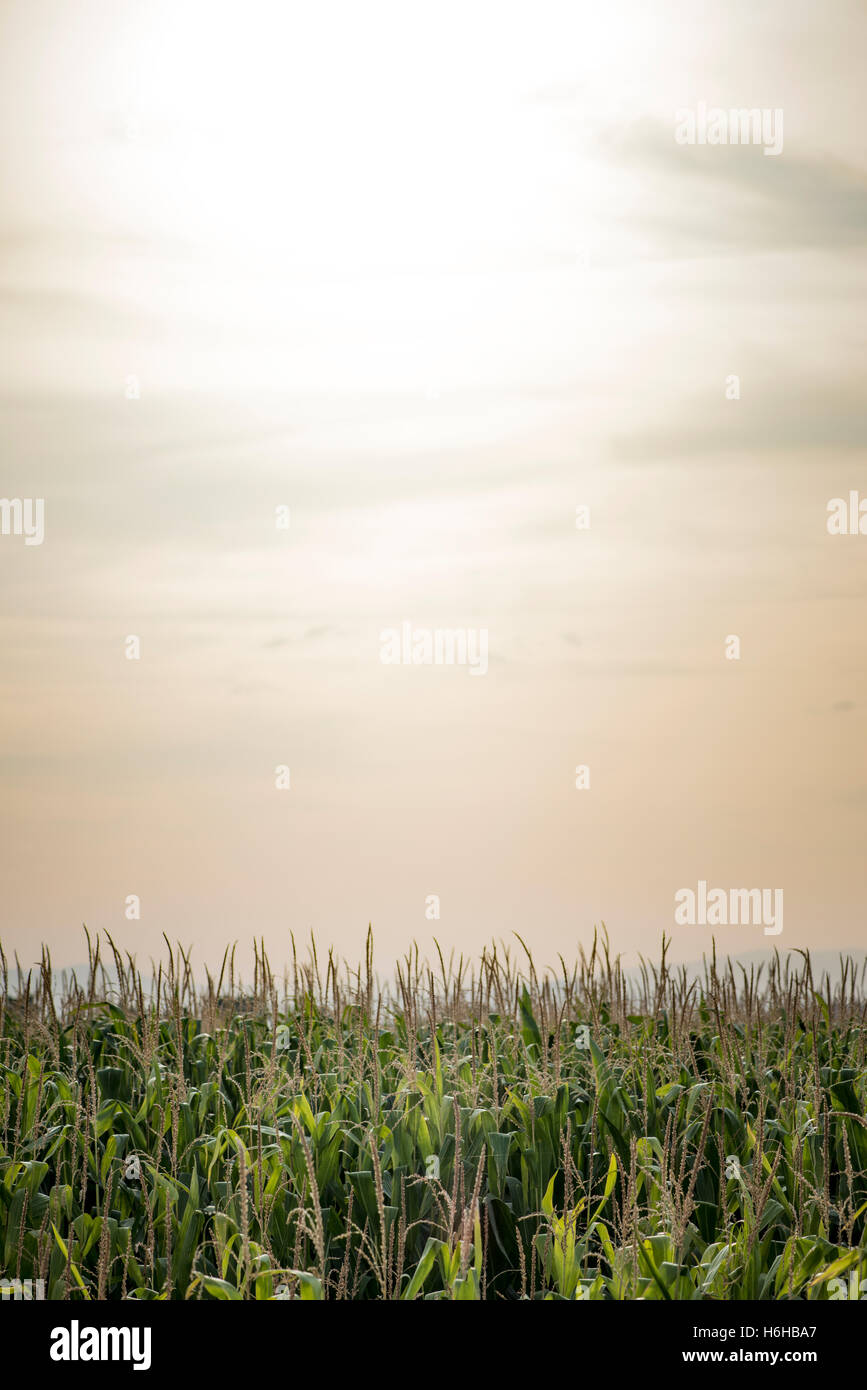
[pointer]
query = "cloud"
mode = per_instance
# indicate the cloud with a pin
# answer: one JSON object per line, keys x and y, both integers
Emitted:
{"x": 68, "y": 311}
{"x": 796, "y": 413}
{"x": 733, "y": 197}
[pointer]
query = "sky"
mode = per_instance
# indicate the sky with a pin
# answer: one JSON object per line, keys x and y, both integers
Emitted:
{"x": 433, "y": 279}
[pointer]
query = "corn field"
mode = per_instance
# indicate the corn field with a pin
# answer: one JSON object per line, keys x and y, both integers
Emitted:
{"x": 469, "y": 1130}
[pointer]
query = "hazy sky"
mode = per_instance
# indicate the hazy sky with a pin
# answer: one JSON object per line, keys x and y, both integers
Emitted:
{"x": 432, "y": 277}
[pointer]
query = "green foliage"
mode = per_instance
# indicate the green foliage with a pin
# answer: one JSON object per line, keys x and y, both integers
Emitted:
{"x": 454, "y": 1140}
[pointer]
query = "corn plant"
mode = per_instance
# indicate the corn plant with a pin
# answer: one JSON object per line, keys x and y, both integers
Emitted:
{"x": 479, "y": 1130}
